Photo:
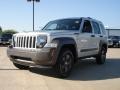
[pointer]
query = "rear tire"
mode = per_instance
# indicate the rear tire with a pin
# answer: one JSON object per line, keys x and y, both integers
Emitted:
{"x": 64, "y": 63}
{"x": 22, "y": 67}
{"x": 101, "y": 57}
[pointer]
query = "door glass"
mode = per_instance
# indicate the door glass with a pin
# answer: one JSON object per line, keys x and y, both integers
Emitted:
{"x": 103, "y": 29}
{"x": 96, "y": 28}
{"x": 87, "y": 27}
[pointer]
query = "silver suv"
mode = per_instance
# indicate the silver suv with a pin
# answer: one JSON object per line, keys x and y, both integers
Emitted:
{"x": 60, "y": 44}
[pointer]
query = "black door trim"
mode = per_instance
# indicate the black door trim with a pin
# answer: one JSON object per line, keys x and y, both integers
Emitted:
{"x": 90, "y": 49}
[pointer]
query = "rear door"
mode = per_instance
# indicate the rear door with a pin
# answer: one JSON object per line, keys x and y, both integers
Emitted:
{"x": 98, "y": 35}
{"x": 87, "y": 44}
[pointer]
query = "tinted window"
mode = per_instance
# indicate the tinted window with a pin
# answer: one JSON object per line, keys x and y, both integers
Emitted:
{"x": 96, "y": 28}
{"x": 115, "y": 37}
{"x": 7, "y": 36}
{"x": 87, "y": 27}
{"x": 64, "y": 24}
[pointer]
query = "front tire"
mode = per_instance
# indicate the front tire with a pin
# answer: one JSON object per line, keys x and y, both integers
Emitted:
{"x": 22, "y": 67}
{"x": 101, "y": 57}
{"x": 65, "y": 63}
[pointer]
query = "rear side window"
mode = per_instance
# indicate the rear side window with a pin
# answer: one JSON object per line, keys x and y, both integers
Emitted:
{"x": 96, "y": 28}
{"x": 87, "y": 28}
{"x": 102, "y": 29}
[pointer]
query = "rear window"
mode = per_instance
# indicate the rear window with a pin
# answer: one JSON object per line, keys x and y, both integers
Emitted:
{"x": 115, "y": 37}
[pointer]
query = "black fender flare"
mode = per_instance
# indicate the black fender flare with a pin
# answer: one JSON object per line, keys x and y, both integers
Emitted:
{"x": 61, "y": 41}
{"x": 101, "y": 44}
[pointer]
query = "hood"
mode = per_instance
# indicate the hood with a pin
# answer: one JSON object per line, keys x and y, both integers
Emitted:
{"x": 52, "y": 33}
{"x": 30, "y": 33}
{"x": 60, "y": 32}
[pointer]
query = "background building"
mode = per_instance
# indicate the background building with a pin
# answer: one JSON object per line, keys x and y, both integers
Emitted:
{"x": 113, "y": 32}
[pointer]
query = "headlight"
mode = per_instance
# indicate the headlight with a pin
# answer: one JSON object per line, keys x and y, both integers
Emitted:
{"x": 10, "y": 41}
{"x": 41, "y": 41}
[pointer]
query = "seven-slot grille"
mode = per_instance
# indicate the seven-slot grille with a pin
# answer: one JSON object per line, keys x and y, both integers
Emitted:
{"x": 24, "y": 41}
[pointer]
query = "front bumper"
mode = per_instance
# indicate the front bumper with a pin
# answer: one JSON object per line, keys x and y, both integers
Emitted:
{"x": 119, "y": 42}
{"x": 116, "y": 43}
{"x": 32, "y": 57}
{"x": 4, "y": 42}
{"x": 110, "y": 43}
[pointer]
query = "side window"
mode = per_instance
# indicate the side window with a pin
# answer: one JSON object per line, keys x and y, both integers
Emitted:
{"x": 96, "y": 28}
{"x": 102, "y": 29}
{"x": 87, "y": 28}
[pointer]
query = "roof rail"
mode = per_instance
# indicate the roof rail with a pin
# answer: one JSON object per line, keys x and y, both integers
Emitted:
{"x": 89, "y": 17}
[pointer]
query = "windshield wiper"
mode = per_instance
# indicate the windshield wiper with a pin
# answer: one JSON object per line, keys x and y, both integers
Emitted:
{"x": 49, "y": 29}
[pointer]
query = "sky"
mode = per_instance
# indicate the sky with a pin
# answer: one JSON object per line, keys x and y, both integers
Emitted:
{"x": 17, "y": 14}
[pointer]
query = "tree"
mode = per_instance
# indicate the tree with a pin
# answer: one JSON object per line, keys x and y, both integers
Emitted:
{"x": 0, "y": 30}
{"x": 9, "y": 31}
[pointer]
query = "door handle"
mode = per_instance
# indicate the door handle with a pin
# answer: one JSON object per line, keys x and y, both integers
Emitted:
{"x": 92, "y": 35}
{"x": 101, "y": 36}
{"x": 76, "y": 33}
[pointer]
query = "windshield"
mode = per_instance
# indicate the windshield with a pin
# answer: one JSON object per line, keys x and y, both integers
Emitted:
{"x": 65, "y": 24}
{"x": 114, "y": 37}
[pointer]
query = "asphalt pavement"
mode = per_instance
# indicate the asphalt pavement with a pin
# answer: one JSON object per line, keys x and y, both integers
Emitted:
{"x": 86, "y": 75}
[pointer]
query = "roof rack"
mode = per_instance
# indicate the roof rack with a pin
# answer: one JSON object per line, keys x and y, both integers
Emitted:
{"x": 89, "y": 17}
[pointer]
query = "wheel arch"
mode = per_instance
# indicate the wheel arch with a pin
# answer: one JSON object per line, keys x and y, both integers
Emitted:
{"x": 66, "y": 42}
{"x": 103, "y": 44}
